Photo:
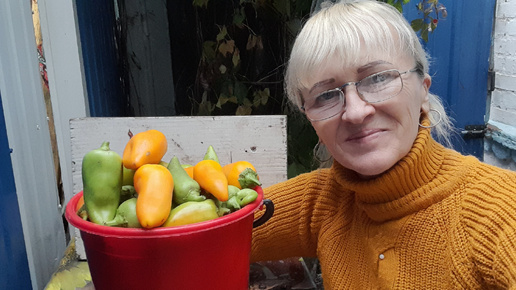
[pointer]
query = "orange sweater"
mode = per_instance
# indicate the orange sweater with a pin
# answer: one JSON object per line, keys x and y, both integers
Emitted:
{"x": 436, "y": 220}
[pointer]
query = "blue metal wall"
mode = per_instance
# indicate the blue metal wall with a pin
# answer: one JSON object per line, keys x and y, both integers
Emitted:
{"x": 14, "y": 273}
{"x": 460, "y": 49}
{"x": 96, "y": 20}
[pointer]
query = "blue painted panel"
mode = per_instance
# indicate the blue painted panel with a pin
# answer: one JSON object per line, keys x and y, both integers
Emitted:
{"x": 96, "y": 20}
{"x": 14, "y": 273}
{"x": 460, "y": 49}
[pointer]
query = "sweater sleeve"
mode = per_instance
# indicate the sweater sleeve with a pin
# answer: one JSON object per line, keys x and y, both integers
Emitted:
{"x": 490, "y": 218}
{"x": 290, "y": 231}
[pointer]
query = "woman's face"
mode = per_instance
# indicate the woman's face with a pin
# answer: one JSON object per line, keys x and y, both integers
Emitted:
{"x": 369, "y": 138}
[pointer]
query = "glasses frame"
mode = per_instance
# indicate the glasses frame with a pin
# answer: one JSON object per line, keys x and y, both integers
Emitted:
{"x": 342, "y": 95}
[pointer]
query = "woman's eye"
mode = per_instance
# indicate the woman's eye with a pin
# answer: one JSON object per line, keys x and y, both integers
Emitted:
{"x": 379, "y": 78}
{"x": 326, "y": 98}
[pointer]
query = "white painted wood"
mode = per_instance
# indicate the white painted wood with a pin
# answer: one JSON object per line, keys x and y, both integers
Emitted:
{"x": 29, "y": 137}
{"x": 61, "y": 44}
{"x": 261, "y": 140}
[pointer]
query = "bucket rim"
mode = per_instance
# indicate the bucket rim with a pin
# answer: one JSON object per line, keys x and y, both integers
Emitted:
{"x": 120, "y": 232}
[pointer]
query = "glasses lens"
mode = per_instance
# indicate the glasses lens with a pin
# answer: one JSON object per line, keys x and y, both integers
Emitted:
{"x": 325, "y": 105}
{"x": 381, "y": 86}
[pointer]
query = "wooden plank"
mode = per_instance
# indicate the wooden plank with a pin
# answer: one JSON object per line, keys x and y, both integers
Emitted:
{"x": 261, "y": 140}
{"x": 151, "y": 83}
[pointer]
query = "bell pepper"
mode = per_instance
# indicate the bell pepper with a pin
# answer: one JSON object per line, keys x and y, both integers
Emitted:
{"x": 192, "y": 212}
{"x": 126, "y": 215}
{"x": 185, "y": 187}
{"x": 246, "y": 196}
{"x": 241, "y": 174}
{"x": 231, "y": 205}
{"x": 146, "y": 147}
{"x": 102, "y": 183}
{"x": 128, "y": 176}
{"x": 127, "y": 192}
{"x": 154, "y": 185}
{"x": 211, "y": 154}
{"x": 209, "y": 175}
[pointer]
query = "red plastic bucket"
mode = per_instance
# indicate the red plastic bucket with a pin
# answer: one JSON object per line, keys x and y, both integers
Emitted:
{"x": 208, "y": 255}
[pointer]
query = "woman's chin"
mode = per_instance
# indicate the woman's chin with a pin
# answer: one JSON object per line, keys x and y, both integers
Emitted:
{"x": 368, "y": 168}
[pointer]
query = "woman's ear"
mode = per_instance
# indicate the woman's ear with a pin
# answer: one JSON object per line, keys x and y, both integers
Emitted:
{"x": 427, "y": 82}
{"x": 425, "y": 102}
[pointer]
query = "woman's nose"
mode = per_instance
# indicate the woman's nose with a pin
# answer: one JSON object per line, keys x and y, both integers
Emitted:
{"x": 356, "y": 109}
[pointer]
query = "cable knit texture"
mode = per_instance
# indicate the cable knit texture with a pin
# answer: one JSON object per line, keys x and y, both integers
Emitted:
{"x": 436, "y": 220}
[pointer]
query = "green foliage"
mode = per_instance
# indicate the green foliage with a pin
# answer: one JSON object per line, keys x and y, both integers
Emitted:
{"x": 397, "y": 3}
{"x": 431, "y": 11}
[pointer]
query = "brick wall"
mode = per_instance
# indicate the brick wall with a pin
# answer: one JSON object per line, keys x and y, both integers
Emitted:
{"x": 500, "y": 142}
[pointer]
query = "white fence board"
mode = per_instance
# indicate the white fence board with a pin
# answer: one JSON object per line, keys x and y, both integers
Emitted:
{"x": 261, "y": 140}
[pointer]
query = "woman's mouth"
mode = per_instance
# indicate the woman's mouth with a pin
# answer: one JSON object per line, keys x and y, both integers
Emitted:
{"x": 364, "y": 135}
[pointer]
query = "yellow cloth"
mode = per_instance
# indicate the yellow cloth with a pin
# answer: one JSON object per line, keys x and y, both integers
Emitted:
{"x": 436, "y": 220}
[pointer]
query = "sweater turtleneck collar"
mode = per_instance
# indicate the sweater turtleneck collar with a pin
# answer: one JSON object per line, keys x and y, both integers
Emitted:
{"x": 414, "y": 183}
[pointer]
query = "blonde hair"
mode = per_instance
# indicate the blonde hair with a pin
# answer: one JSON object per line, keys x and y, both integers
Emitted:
{"x": 343, "y": 30}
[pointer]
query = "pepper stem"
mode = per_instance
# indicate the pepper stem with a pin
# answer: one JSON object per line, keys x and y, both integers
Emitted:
{"x": 118, "y": 221}
{"x": 248, "y": 178}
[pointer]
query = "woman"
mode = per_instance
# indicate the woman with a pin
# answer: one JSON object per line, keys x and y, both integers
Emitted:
{"x": 396, "y": 209}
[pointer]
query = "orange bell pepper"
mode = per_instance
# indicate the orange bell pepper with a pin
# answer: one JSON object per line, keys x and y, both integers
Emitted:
{"x": 209, "y": 175}
{"x": 154, "y": 185}
{"x": 146, "y": 147}
{"x": 189, "y": 171}
{"x": 79, "y": 204}
{"x": 241, "y": 174}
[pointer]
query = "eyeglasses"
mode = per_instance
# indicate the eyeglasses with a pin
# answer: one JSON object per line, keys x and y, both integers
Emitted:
{"x": 375, "y": 88}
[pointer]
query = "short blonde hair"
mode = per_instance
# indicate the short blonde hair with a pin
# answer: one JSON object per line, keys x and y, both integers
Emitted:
{"x": 342, "y": 31}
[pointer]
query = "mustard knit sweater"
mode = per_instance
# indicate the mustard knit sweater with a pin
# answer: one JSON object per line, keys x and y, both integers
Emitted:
{"x": 436, "y": 220}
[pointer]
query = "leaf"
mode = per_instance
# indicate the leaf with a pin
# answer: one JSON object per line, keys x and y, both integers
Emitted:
{"x": 239, "y": 17}
{"x": 251, "y": 42}
{"x": 205, "y": 107}
{"x": 227, "y": 47}
{"x": 243, "y": 110}
{"x": 265, "y": 95}
{"x": 254, "y": 41}
{"x": 417, "y": 24}
{"x": 233, "y": 100}
{"x": 200, "y": 3}
{"x": 208, "y": 50}
{"x": 261, "y": 97}
{"x": 424, "y": 35}
{"x": 222, "y": 34}
{"x": 247, "y": 102}
{"x": 398, "y": 6}
{"x": 223, "y": 98}
{"x": 240, "y": 91}
{"x": 236, "y": 58}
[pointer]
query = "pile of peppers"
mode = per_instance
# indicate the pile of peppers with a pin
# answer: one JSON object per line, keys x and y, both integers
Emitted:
{"x": 139, "y": 190}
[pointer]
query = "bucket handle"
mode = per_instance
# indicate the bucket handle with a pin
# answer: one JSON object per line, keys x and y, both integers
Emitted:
{"x": 269, "y": 211}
